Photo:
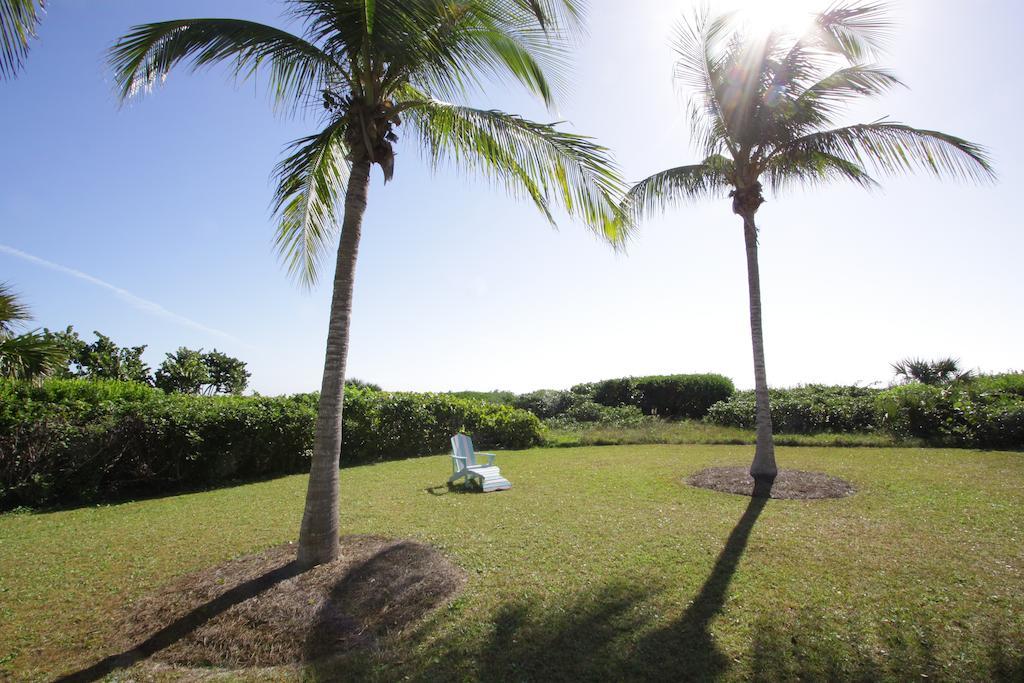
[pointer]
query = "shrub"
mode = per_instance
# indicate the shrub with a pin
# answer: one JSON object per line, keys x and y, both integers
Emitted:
{"x": 546, "y": 403}
{"x": 803, "y": 410}
{"x": 587, "y": 413}
{"x": 668, "y": 396}
{"x": 76, "y": 440}
{"x": 919, "y": 410}
{"x": 681, "y": 396}
{"x": 505, "y": 398}
{"x": 986, "y": 412}
{"x": 615, "y": 392}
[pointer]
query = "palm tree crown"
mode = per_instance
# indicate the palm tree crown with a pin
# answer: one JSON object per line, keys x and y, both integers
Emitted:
{"x": 765, "y": 111}
{"x": 370, "y": 66}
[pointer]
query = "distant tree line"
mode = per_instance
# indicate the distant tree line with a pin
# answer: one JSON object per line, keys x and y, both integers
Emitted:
{"x": 186, "y": 371}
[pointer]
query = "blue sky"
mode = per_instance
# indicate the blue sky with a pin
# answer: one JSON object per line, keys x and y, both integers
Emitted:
{"x": 157, "y": 214}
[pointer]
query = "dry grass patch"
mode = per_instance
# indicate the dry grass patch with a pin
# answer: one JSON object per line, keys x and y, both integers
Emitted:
{"x": 259, "y": 610}
{"x": 789, "y": 484}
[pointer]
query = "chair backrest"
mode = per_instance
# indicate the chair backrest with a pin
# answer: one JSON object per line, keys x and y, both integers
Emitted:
{"x": 462, "y": 446}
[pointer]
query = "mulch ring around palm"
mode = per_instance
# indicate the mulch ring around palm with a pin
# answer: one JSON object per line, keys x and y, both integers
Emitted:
{"x": 789, "y": 484}
{"x": 259, "y": 610}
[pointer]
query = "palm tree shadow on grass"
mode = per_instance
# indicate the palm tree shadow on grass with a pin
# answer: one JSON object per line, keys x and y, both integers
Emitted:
{"x": 184, "y": 625}
{"x": 697, "y": 656}
{"x": 589, "y": 639}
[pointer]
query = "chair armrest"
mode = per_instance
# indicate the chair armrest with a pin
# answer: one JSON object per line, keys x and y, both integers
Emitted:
{"x": 490, "y": 458}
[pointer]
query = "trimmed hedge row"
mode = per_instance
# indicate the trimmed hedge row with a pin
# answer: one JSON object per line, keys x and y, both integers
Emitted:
{"x": 69, "y": 441}
{"x": 667, "y": 396}
{"x": 986, "y": 412}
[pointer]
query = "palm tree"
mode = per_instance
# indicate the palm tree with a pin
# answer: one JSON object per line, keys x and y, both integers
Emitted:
{"x": 765, "y": 111}
{"x": 369, "y": 66}
{"x": 18, "y": 21}
{"x": 29, "y": 356}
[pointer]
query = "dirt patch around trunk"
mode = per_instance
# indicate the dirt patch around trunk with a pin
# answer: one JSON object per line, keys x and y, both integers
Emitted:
{"x": 789, "y": 484}
{"x": 259, "y": 610}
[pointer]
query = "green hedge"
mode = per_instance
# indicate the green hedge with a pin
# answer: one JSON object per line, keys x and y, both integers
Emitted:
{"x": 681, "y": 396}
{"x": 70, "y": 441}
{"x": 985, "y": 412}
{"x": 809, "y": 409}
{"x": 667, "y": 396}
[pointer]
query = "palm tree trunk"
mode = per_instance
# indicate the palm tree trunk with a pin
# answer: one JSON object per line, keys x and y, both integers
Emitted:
{"x": 318, "y": 536}
{"x": 763, "y": 467}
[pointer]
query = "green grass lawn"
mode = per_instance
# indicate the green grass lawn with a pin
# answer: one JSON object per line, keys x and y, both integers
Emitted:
{"x": 599, "y": 564}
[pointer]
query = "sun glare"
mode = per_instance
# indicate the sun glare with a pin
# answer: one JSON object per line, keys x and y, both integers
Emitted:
{"x": 792, "y": 16}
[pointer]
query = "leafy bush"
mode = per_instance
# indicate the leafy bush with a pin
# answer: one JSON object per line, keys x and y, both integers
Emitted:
{"x": 497, "y": 396}
{"x": 77, "y": 440}
{"x": 615, "y": 392}
{"x": 809, "y": 409}
{"x": 919, "y": 410}
{"x": 681, "y": 396}
{"x": 546, "y": 403}
{"x": 986, "y": 412}
{"x": 668, "y": 396}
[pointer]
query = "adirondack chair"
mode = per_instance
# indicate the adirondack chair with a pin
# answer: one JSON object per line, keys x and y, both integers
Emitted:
{"x": 466, "y": 463}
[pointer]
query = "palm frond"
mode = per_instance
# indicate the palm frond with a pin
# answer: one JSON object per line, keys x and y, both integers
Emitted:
{"x": 811, "y": 168}
{"x": 298, "y": 70}
{"x": 29, "y": 356}
{"x": 310, "y": 181}
{"x": 710, "y": 179}
{"x": 533, "y": 160}
{"x": 820, "y": 102}
{"x": 895, "y": 148}
{"x": 855, "y": 30}
{"x": 12, "y": 311}
{"x": 701, "y": 66}
{"x": 18, "y": 22}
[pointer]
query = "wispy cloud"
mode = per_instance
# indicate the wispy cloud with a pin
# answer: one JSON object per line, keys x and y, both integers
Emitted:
{"x": 138, "y": 302}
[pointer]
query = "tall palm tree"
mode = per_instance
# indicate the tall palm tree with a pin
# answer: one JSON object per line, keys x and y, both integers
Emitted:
{"x": 18, "y": 21}
{"x": 29, "y": 355}
{"x": 369, "y": 66}
{"x": 766, "y": 110}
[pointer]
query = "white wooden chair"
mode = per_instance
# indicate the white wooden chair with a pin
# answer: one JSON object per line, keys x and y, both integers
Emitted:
{"x": 466, "y": 463}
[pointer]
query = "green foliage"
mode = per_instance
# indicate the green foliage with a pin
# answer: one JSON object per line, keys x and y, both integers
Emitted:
{"x": 615, "y": 392}
{"x": 983, "y": 412}
{"x": 547, "y": 403}
{"x": 669, "y": 396}
{"x": 102, "y": 359}
{"x": 504, "y": 398}
{"x": 803, "y": 410}
{"x": 74, "y": 440}
{"x": 188, "y": 371}
{"x": 227, "y": 374}
{"x": 681, "y": 396}
{"x": 986, "y": 412}
{"x": 31, "y": 355}
{"x": 183, "y": 372}
{"x": 386, "y": 425}
{"x": 361, "y": 384}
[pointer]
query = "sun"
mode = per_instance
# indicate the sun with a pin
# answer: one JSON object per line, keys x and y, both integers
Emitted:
{"x": 791, "y": 16}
